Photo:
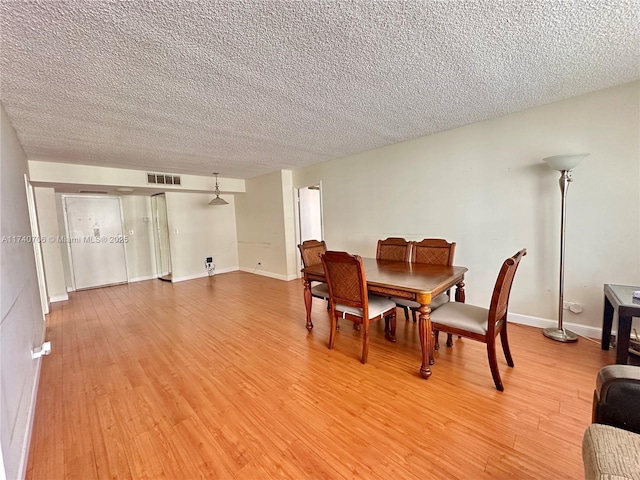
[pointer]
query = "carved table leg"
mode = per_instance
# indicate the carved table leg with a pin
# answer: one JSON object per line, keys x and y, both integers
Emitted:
{"x": 426, "y": 343}
{"x": 307, "y": 303}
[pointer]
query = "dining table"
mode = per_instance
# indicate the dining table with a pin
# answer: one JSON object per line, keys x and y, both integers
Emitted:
{"x": 413, "y": 281}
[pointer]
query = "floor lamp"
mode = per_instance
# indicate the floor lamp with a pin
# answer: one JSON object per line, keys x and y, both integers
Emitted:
{"x": 564, "y": 164}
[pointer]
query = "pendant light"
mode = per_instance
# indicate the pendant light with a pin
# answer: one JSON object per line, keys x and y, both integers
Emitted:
{"x": 218, "y": 200}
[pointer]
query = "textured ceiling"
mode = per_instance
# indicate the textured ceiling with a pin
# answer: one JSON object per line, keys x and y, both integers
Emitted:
{"x": 249, "y": 87}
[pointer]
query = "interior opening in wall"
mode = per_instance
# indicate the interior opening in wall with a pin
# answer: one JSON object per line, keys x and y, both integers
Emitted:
{"x": 309, "y": 214}
{"x": 161, "y": 237}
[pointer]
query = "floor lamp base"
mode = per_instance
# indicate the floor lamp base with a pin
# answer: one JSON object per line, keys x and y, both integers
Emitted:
{"x": 560, "y": 335}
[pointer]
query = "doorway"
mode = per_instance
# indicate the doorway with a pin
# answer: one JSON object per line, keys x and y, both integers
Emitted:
{"x": 309, "y": 200}
{"x": 96, "y": 241}
{"x": 161, "y": 237}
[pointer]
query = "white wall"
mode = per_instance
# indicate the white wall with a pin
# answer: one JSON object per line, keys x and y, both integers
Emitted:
{"x": 22, "y": 322}
{"x": 53, "y": 248}
{"x": 266, "y": 226}
{"x": 197, "y": 231}
{"x": 484, "y": 186}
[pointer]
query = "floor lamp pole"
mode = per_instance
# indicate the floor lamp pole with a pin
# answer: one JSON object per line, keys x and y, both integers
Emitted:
{"x": 560, "y": 334}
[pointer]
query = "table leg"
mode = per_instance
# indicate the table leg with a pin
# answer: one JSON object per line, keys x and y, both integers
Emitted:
{"x": 607, "y": 322}
{"x": 622, "y": 341}
{"x": 426, "y": 342}
{"x": 307, "y": 303}
{"x": 460, "y": 296}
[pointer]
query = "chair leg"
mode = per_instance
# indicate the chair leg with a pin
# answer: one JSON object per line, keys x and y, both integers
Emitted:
{"x": 450, "y": 340}
{"x": 414, "y": 315}
{"x": 505, "y": 346}
{"x": 436, "y": 340}
{"x": 493, "y": 363}
{"x": 406, "y": 313}
{"x": 365, "y": 343}
{"x": 332, "y": 330}
{"x": 390, "y": 327}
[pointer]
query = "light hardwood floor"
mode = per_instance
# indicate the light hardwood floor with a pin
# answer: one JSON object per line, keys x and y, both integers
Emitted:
{"x": 218, "y": 378}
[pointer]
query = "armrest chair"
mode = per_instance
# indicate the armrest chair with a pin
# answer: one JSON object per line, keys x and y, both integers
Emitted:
{"x": 616, "y": 399}
{"x": 611, "y": 445}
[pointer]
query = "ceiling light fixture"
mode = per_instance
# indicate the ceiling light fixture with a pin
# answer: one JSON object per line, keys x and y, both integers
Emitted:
{"x": 217, "y": 200}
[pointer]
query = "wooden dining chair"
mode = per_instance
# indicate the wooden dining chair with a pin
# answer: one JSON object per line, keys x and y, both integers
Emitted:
{"x": 349, "y": 299}
{"x": 310, "y": 251}
{"x": 393, "y": 248}
{"x": 431, "y": 251}
{"x": 480, "y": 323}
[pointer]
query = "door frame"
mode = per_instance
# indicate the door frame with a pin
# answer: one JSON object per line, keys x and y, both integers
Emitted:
{"x": 68, "y": 236}
{"x": 296, "y": 203}
{"x": 37, "y": 247}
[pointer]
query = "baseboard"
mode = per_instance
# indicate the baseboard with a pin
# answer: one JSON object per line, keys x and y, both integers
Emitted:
{"x": 277, "y": 276}
{"x": 143, "y": 278}
{"x": 203, "y": 274}
{"x": 59, "y": 298}
{"x": 583, "y": 330}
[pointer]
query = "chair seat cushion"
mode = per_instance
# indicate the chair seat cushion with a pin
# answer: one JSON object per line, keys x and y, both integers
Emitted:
{"x": 610, "y": 453}
{"x": 377, "y": 306}
{"x": 435, "y": 303}
{"x": 321, "y": 290}
{"x": 462, "y": 316}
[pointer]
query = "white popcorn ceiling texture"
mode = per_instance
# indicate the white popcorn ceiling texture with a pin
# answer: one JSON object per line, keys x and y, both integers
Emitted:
{"x": 248, "y": 87}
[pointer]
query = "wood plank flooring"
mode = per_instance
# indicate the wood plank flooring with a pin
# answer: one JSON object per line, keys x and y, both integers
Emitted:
{"x": 218, "y": 378}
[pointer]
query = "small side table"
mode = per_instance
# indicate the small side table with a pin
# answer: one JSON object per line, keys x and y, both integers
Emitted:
{"x": 619, "y": 298}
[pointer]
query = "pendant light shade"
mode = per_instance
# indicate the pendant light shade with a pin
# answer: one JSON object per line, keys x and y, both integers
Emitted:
{"x": 218, "y": 200}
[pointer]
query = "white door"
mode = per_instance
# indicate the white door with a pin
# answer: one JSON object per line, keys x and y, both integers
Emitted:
{"x": 309, "y": 215}
{"x": 96, "y": 241}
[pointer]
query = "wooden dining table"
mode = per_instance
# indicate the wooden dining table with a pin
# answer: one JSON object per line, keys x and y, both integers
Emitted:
{"x": 414, "y": 281}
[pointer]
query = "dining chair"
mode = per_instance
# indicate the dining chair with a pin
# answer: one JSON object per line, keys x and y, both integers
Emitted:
{"x": 310, "y": 251}
{"x": 393, "y": 248}
{"x": 348, "y": 298}
{"x": 431, "y": 251}
{"x": 482, "y": 324}
{"x": 396, "y": 249}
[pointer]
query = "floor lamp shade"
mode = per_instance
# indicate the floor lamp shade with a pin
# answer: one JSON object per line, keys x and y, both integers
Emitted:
{"x": 564, "y": 164}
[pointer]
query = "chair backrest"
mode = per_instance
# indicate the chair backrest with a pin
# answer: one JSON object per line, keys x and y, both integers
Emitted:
{"x": 346, "y": 280}
{"x": 501, "y": 292}
{"x": 394, "y": 248}
{"x": 434, "y": 251}
{"x": 310, "y": 251}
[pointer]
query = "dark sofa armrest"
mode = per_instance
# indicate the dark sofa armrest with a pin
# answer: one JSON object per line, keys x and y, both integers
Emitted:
{"x": 616, "y": 400}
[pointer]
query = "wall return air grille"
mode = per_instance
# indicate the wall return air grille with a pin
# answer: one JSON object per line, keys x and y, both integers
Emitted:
{"x": 163, "y": 179}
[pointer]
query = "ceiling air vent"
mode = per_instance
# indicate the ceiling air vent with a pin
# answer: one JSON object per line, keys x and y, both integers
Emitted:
{"x": 93, "y": 192}
{"x": 163, "y": 179}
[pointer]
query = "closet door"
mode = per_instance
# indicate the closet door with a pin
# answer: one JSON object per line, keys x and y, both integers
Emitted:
{"x": 96, "y": 241}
